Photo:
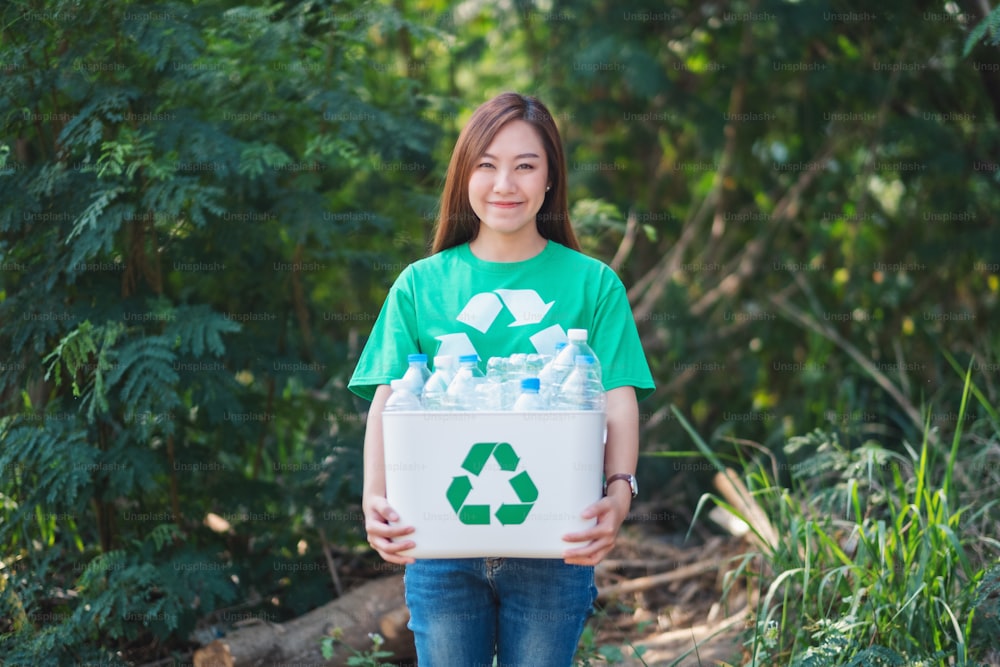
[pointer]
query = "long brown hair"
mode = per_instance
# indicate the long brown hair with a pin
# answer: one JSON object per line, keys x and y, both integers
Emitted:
{"x": 457, "y": 223}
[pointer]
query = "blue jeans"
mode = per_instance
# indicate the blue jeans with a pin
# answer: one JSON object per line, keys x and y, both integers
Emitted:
{"x": 529, "y": 612}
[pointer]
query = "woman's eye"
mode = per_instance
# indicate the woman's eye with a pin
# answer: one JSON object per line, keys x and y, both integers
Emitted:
{"x": 525, "y": 166}
{"x": 484, "y": 164}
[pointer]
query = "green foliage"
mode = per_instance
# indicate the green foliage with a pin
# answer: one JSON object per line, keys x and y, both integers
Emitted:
{"x": 373, "y": 657}
{"x": 590, "y": 653}
{"x": 192, "y": 203}
{"x": 876, "y": 562}
{"x": 990, "y": 24}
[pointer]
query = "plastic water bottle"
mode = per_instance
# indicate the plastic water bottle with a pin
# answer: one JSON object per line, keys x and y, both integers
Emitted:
{"x": 529, "y": 399}
{"x": 402, "y": 397}
{"x": 417, "y": 374}
{"x": 552, "y": 375}
{"x": 435, "y": 392}
{"x": 515, "y": 371}
{"x": 576, "y": 345}
{"x": 582, "y": 388}
{"x": 493, "y": 390}
{"x": 463, "y": 392}
{"x": 533, "y": 364}
{"x": 447, "y": 364}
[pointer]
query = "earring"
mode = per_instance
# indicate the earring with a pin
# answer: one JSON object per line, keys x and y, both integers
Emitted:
{"x": 548, "y": 187}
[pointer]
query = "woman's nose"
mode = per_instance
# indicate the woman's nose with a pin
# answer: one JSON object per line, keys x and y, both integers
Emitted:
{"x": 503, "y": 182}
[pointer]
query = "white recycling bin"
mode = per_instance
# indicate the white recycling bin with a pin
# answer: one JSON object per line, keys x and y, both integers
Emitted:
{"x": 491, "y": 484}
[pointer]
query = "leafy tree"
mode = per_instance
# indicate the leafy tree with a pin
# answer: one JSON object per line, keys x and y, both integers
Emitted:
{"x": 194, "y": 203}
{"x": 800, "y": 197}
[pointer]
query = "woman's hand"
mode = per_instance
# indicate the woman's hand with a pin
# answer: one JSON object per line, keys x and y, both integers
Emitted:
{"x": 383, "y": 537}
{"x": 378, "y": 513}
{"x": 610, "y": 512}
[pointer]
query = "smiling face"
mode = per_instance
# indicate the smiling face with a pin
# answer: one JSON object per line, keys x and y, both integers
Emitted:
{"x": 507, "y": 186}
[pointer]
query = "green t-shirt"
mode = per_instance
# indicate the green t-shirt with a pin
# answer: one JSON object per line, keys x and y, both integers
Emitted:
{"x": 455, "y": 303}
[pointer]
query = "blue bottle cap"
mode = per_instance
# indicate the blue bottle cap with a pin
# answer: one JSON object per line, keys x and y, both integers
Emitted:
{"x": 410, "y": 358}
{"x": 585, "y": 359}
{"x": 465, "y": 358}
{"x": 530, "y": 384}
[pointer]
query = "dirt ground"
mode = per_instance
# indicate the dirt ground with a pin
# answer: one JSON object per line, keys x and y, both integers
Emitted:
{"x": 664, "y": 598}
{"x": 665, "y": 595}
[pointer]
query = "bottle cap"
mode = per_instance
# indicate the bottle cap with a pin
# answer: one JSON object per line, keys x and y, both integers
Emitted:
{"x": 466, "y": 358}
{"x": 530, "y": 384}
{"x": 585, "y": 359}
{"x": 416, "y": 357}
{"x": 444, "y": 360}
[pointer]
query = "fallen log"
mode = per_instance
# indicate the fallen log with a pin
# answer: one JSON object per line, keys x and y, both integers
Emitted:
{"x": 376, "y": 606}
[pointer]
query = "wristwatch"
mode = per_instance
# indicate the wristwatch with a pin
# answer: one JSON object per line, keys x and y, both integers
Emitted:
{"x": 628, "y": 478}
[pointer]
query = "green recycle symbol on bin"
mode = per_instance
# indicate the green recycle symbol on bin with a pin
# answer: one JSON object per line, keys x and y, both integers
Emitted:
{"x": 507, "y": 459}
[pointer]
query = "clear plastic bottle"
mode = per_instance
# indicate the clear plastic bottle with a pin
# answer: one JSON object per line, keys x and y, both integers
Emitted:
{"x": 552, "y": 375}
{"x": 529, "y": 399}
{"x": 435, "y": 392}
{"x": 402, "y": 397}
{"x": 533, "y": 364}
{"x": 576, "y": 344}
{"x": 447, "y": 364}
{"x": 582, "y": 388}
{"x": 417, "y": 374}
{"x": 492, "y": 391}
{"x": 463, "y": 392}
{"x": 516, "y": 371}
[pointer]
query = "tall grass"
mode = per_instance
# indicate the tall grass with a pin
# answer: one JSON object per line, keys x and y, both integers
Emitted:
{"x": 879, "y": 560}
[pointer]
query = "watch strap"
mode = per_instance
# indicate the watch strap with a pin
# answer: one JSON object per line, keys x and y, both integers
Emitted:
{"x": 624, "y": 476}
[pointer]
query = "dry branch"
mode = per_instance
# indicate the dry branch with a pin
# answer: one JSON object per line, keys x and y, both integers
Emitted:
{"x": 738, "y": 495}
{"x": 828, "y": 332}
{"x": 753, "y": 252}
{"x": 645, "y": 583}
{"x": 699, "y": 631}
{"x": 628, "y": 241}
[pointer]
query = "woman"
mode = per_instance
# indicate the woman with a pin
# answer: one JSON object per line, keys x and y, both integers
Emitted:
{"x": 506, "y": 275}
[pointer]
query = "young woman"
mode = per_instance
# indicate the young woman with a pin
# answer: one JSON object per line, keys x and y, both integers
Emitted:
{"x": 506, "y": 275}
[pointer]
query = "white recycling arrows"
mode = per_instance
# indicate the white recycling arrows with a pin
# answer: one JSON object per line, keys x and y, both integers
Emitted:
{"x": 525, "y": 305}
{"x": 482, "y": 310}
{"x": 456, "y": 344}
{"x": 546, "y": 339}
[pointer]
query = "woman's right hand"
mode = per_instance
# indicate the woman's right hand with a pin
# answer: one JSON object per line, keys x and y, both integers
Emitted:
{"x": 383, "y": 537}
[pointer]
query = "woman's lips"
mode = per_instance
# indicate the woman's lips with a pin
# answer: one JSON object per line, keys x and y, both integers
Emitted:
{"x": 505, "y": 204}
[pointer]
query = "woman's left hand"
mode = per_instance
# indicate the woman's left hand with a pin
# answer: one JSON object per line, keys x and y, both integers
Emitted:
{"x": 610, "y": 512}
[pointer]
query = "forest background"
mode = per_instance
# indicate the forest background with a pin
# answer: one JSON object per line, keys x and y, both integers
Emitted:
{"x": 202, "y": 206}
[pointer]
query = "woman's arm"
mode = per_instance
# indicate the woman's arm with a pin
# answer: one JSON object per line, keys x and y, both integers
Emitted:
{"x": 621, "y": 453}
{"x": 376, "y": 508}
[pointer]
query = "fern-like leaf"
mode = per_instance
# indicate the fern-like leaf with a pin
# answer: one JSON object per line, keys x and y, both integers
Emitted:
{"x": 89, "y": 218}
{"x": 990, "y": 24}
{"x": 73, "y": 351}
{"x": 51, "y": 457}
{"x": 144, "y": 369}
{"x": 198, "y": 329}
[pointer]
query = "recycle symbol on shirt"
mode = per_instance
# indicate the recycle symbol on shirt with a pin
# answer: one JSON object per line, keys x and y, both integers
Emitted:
{"x": 507, "y": 513}
{"x": 526, "y": 308}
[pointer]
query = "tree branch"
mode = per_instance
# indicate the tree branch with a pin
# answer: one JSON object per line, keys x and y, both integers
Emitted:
{"x": 806, "y": 321}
